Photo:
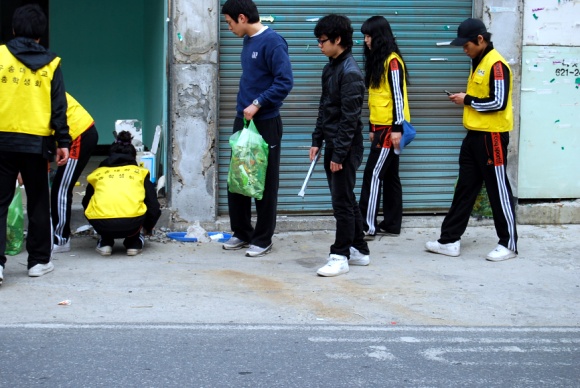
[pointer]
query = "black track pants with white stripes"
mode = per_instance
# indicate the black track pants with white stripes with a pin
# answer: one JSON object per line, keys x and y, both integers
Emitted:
{"x": 61, "y": 195}
{"x": 483, "y": 158}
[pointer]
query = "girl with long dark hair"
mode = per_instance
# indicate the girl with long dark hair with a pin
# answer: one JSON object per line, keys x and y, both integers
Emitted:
{"x": 386, "y": 81}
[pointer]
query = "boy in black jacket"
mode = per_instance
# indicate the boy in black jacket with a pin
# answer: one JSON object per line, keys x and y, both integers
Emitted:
{"x": 339, "y": 125}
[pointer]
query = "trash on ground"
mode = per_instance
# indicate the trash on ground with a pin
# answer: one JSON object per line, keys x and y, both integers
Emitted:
{"x": 220, "y": 237}
{"x": 65, "y": 303}
{"x": 196, "y": 231}
{"x": 180, "y": 236}
{"x": 83, "y": 228}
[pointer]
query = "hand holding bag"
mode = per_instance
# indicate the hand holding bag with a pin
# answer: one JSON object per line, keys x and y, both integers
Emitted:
{"x": 409, "y": 134}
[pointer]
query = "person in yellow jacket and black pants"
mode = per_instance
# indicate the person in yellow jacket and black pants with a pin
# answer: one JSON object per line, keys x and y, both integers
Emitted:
{"x": 32, "y": 110}
{"x": 386, "y": 80}
{"x": 488, "y": 117}
{"x": 84, "y": 141}
{"x": 120, "y": 200}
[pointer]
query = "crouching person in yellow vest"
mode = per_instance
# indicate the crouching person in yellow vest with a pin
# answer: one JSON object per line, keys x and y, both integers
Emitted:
{"x": 120, "y": 200}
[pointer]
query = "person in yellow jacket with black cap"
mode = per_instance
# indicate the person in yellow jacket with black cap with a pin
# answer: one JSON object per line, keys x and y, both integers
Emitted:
{"x": 84, "y": 141}
{"x": 120, "y": 200}
{"x": 32, "y": 110}
{"x": 488, "y": 117}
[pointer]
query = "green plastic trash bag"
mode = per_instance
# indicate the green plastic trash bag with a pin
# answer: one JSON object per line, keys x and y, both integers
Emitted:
{"x": 15, "y": 225}
{"x": 247, "y": 174}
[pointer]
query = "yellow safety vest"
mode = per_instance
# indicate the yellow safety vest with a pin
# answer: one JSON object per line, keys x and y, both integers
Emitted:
{"x": 381, "y": 98}
{"x": 79, "y": 120}
{"x": 478, "y": 86}
{"x": 25, "y": 103}
{"x": 119, "y": 192}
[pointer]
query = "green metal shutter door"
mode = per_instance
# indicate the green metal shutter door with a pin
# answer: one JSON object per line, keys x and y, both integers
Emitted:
{"x": 428, "y": 166}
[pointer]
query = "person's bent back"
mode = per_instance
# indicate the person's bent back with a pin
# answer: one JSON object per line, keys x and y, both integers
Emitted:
{"x": 120, "y": 200}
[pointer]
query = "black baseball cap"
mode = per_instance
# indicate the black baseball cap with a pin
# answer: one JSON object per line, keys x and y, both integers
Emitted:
{"x": 468, "y": 29}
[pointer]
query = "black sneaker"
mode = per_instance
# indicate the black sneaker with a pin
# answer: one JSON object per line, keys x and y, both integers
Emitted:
{"x": 369, "y": 237}
{"x": 387, "y": 232}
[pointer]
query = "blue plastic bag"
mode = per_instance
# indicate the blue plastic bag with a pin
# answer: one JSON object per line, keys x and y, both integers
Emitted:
{"x": 409, "y": 134}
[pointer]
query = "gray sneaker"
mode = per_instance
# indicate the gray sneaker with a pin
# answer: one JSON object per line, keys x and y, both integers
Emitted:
{"x": 40, "y": 269}
{"x": 234, "y": 243}
{"x": 256, "y": 251}
{"x": 1, "y": 274}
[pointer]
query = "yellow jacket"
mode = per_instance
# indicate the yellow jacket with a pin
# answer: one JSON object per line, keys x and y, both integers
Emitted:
{"x": 381, "y": 99}
{"x": 478, "y": 86}
{"x": 119, "y": 192}
{"x": 25, "y": 96}
{"x": 79, "y": 120}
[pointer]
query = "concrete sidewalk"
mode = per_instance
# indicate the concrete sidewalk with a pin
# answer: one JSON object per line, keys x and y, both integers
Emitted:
{"x": 174, "y": 282}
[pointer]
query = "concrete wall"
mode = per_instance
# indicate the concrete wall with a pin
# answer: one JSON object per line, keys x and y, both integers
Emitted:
{"x": 503, "y": 19}
{"x": 193, "y": 110}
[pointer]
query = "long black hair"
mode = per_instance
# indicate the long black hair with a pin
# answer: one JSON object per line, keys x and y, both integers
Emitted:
{"x": 383, "y": 44}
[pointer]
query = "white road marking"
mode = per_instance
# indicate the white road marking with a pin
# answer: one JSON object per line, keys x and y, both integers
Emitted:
{"x": 436, "y": 354}
{"x": 315, "y": 328}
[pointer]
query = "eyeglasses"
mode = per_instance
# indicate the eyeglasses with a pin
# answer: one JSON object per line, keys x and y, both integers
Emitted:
{"x": 322, "y": 41}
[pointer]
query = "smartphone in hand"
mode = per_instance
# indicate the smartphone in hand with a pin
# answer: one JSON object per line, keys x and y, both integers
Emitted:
{"x": 448, "y": 92}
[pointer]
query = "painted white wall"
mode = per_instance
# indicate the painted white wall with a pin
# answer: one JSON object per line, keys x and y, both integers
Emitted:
{"x": 552, "y": 22}
{"x": 550, "y": 99}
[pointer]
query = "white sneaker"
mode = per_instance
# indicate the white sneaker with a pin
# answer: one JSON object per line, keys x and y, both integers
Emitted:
{"x": 105, "y": 250}
{"x": 40, "y": 269}
{"x": 451, "y": 249}
{"x": 336, "y": 265}
{"x": 357, "y": 258}
{"x": 61, "y": 248}
{"x": 1, "y": 274}
{"x": 500, "y": 253}
{"x": 136, "y": 251}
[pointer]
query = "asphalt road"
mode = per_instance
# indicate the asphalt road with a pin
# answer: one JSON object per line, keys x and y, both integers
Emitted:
{"x": 93, "y": 355}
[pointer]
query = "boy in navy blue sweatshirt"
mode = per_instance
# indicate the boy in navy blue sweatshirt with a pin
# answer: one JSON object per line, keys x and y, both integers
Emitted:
{"x": 265, "y": 82}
